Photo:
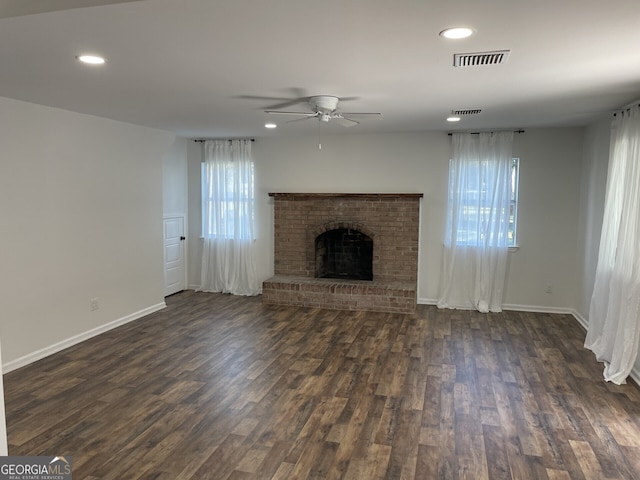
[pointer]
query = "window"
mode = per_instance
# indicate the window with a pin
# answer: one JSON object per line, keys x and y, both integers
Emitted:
{"x": 473, "y": 216}
{"x": 227, "y": 196}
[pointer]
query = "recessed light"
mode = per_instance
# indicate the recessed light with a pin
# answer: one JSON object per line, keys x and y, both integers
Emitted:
{"x": 270, "y": 125}
{"x": 91, "y": 59}
{"x": 457, "y": 32}
{"x": 453, "y": 119}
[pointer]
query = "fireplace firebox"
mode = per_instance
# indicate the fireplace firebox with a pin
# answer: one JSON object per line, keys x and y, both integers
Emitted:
{"x": 344, "y": 253}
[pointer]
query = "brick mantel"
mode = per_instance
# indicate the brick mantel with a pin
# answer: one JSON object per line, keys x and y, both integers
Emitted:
{"x": 345, "y": 195}
{"x": 391, "y": 219}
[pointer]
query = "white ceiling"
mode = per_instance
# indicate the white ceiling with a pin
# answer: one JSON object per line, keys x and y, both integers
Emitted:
{"x": 198, "y": 67}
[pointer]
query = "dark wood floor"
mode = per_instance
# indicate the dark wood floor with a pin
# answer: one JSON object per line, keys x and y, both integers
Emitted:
{"x": 221, "y": 387}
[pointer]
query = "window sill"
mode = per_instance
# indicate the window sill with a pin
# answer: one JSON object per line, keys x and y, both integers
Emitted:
{"x": 514, "y": 248}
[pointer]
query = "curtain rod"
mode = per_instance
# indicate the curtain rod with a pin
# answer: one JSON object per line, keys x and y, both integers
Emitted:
{"x": 478, "y": 133}
{"x": 200, "y": 140}
{"x": 626, "y": 109}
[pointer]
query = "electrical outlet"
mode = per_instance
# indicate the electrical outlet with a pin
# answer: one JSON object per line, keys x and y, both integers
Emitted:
{"x": 549, "y": 288}
{"x": 93, "y": 304}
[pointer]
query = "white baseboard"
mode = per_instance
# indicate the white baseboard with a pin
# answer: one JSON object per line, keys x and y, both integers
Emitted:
{"x": 427, "y": 301}
{"x": 537, "y": 309}
{"x": 69, "y": 342}
{"x": 512, "y": 306}
{"x": 581, "y": 320}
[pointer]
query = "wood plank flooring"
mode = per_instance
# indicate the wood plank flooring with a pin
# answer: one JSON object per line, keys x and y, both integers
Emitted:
{"x": 222, "y": 387}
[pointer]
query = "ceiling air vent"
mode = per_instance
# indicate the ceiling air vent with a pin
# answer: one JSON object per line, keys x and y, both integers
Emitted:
{"x": 480, "y": 58}
{"x": 468, "y": 111}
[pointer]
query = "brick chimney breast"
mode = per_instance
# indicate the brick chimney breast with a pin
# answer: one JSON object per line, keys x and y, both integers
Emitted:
{"x": 390, "y": 221}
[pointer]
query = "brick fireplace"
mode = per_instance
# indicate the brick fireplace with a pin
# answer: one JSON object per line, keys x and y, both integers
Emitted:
{"x": 316, "y": 233}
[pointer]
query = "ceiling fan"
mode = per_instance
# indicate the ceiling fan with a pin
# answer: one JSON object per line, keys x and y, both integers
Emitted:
{"x": 324, "y": 108}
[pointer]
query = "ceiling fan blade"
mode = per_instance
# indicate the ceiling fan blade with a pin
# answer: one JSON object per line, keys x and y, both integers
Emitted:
{"x": 283, "y": 102}
{"x": 348, "y": 99}
{"x": 289, "y": 103}
{"x": 362, "y": 114}
{"x": 259, "y": 97}
{"x": 302, "y": 118}
{"x": 298, "y": 95}
{"x": 345, "y": 122}
{"x": 279, "y": 112}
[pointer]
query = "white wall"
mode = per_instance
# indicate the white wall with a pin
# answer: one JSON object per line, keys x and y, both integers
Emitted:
{"x": 194, "y": 232}
{"x": 548, "y": 204}
{"x": 418, "y": 163}
{"x": 174, "y": 179}
{"x": 82, "y": 206}
{"x": 593, "y": 184}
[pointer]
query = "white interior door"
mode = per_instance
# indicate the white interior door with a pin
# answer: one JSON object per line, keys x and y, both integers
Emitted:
{"x": 174, "y": 255}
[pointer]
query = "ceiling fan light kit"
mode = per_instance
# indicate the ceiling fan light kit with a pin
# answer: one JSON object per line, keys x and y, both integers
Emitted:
{"x": 326, "y": 103}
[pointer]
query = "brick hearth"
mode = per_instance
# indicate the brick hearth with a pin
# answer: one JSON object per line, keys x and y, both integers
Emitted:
{"x": 391, "y": 220}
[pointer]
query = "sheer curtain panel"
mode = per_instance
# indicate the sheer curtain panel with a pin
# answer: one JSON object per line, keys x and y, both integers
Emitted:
{"x": 614, "y": 315}
{"x": 228, "y": 252}
{"x": 476, "y": 236}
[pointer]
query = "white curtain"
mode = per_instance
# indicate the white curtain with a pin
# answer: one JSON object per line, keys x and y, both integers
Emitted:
{"x": 228, "y": 253}
{"x": 614, "y": 314}
{"x": 476, "y": 237}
